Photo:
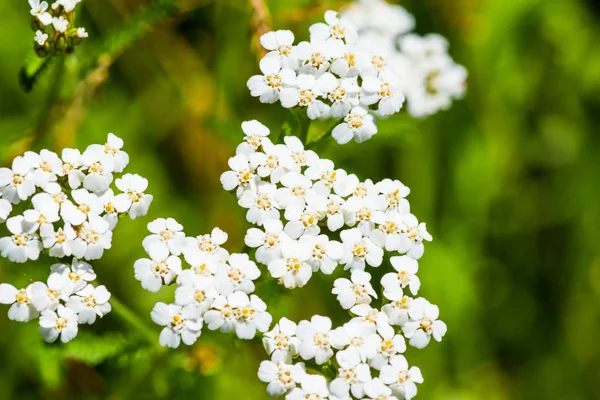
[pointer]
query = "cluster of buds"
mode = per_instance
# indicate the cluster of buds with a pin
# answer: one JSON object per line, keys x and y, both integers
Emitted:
{"x": 54, "y": 27}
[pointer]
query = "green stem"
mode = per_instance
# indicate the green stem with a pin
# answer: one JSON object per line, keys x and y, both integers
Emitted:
{"x": 31, "y": 72}
{"x": 131, "y": 318}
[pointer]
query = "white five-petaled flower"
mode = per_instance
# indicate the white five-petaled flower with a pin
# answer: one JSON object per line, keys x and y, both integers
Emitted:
{"x": 198, "y": 293}
{"x": 62, "y": 322}
{"x": 133, "y": 187}
{"x": 423, "y": 324}
{"x": 356, "y": 290}
{"x": 311, "y": 387}
{"x": 60, "y": 24}
{"x": 237, "y": 274}
{"x": 89, "y": 303}
{"x": 334, "y": 28}
{"x": 21, "y": 309}
{"x": 165, "y": 232}
{"x": 160, "y": 269}
{"x": 314, "y": 336}
{"x": 282, "y": 340}
{"x": 268, "y": 242}
{"x": 60, "y": 242}
{"x": 40, "y": 38}
{"x": 280, "y": 376}
{"x": 292, "y": 268}
{"x": 393, "y": 283}
{"x": 353, "y": 374}
{"x": 180, "y": 324}
{"x": 400, "y": 378}
{"x": 281, "y": 47}
{"x": 268, "y": 86}
{"x": 48, "y": 296}
{"x": 206, "y": 245}
{"x": 358, "y": 125}
{"x": 18, "y": 183}
{"x": 359, "y": 250}
{"x": 79, "y": 273}
{"x": 261, "y": 204}
{"x": 23, "y": 245}
{"x": 304, "y": 93}
{"x": 45, "y": 212}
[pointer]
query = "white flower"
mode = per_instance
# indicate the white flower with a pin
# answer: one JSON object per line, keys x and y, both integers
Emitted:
{"x": 267, "y": 86}
{"x": 38, "y": 9}
{"x": 88, "y": 206}
{"x": 335, "y": 217}
{"x": 17, "y": 184}
{"x": 389, "y": 233}
{"x": 81, "y": 33}
{"x": 202, "y": 266}
{"x": 167, "y": 233}
{"x": 304, "y": 93}
{"x": 62, "y": 322}
{"x": 335, "y": 28}
{"x": 394, "y": 193}
{"x": 90, "y": 302}
{"x": 113, "y": 206}
{"x": 92, "y": 239}
{"x": 41, "y": 38}
{"x": 397, "y": 311}
{"x": 21, "y": 309}
{"x": 383, "y": 90}
{"x": 349, "y": 65}
{"x": 133, "y": 187}
{"x": 46, "y": 165}
{"x": 378, "y": 62}
{"x": 222, "y": 314}
{"x": 60, "y": 242}
{"x": 251, "y": 315}
{"x": 393, "y": 283}
{"x": 316, "y": 56}
{"x": 79, "y": 273}
{"x": 354, "y": 339}
{"x": 158, "y": 270}
{"x": 280, "y": 45}
{"x": 44, "y": 213}
{"x": 351, "y": 378}
{"x": 325, "y": 253}
{"x": 236, "y": 275}
{"x": 378, "y": 319}
{"x": 111, "y": 150}
{"x": 261, "y": 204}
{"x": 380, "y": 18}
{"x": 292, "y": 269}
{"x": 206, "y": 245}
{"x": 23, "y": 245}
{"x": 280, "y": 376}
{"x": 315, "y": 339}
{"x": 423, "y": 324}
{"x": 98, "y": 166}
{"x": 282, "y": 340}
{"x": 387, "y": 347}
{"x": 377, "y": 390}
{"x": 198, "y": 293}
{"x": 180, "y": 324}
{"x": 295, "y": 188}
{"x": 359, "y": 250}
{"x": 342, "y": 93}
{"x": 5, "y": 209}
{"x": 358, "y": 124}
{"x": 356, "y": 290}
{"x": 60, "y": 24}
{"x": 274, "y": 162}
{"x": 311, "y": 387}
{"x": 400, "y": 378}
{"x": 68, "y": 5}
{"x": 303, "y": 221}
{"x": 255, "y": 132}
{"x": 300, "y": 156}
{"x": 414, "y": 234}
{"x": 365, "y": 211}
{"x": 48, "y": 297}
{"x": 240, "y": 177}
{"x": 327, "y": 178}
{"x": 71, "y": 162}
{"x": 268, "y": 242}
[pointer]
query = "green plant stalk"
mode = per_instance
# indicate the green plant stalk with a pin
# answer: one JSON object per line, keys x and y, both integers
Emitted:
{"x": 133, "y": 320}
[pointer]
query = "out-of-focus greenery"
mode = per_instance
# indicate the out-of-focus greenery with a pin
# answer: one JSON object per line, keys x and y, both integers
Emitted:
{"x": 508, "y": 181}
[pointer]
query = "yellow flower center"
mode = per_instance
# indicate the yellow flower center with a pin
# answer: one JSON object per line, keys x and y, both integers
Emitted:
{"x": 350, "y": 59}
{"x": 359, "y": 250}
{"x": 22, "y": 297}
{"x": 431, "y": 82}
{"x": 306, "y": 97}
{"x": 177, "y": 322}
{"x": 385, "y": 90}
{"x": 426, "y": 324}
{"x": 317, "y": 60}
{"x": 271, "y": 239}
{"x": 263, "y": 201}
{"x": 293, "y": 265}
{"x": 274, "y": 81}
{"x": 285, "y": 50}
{"x": 337, "y": 31}
{"x": 338, "y": 94}
{"x": 354, "y": 120}
{"x": 21, "y": 239}
{"x": 321, "y": 340}
{"x": 18, "y": 179}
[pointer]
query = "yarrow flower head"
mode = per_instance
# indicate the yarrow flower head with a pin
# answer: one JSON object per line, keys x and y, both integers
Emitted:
{"x": 54, "y": 27}
{"x": 69, "y": 212}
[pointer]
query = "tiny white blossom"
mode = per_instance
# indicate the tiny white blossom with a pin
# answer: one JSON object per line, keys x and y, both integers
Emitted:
{"x": 237, "y": 274}
{"x": 356, "y": 290}
{"x": 358, "y": 125}
{"x": 359, "y": 250}
{"x": 165, "y": 232}
{"x": 18, "y": 183}
{"x": 393, "y": 283}
{"x": 292, "y": 269}
{"x": 180, "y": 324}
{"x": 261, "y": 204}
{"x": 311, "y": 387}
{"x": 62, "y": 322}
{"x": 23, "y": 245}
{"x": 41, "y": 38}
{"x": 268, "y": 242}
{"x": 400, "y": 378}
{"x": 60, "y": 24}
{"x": 280, "y": 45}
{"x": 60, "y": 242}
{"x": 314, "y": 336}
{"x": 160, "y": 269}
{"x": 89, "y": 303}
{"x": 21, "y": 309}
{"x": 280, "y": 376}
{"x": 133, "y": 187}
{"x": 268, "y": 86}
{"x": 282, "y": 340}
{"x": 39, "y": 10}
{"x": 79, "y": 273}
{"x": 48, "y": 296}
{"x": 423, "y": 324}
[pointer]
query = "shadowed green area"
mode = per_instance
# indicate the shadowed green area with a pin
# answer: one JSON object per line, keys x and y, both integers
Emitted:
{"x": 507, "y": 181}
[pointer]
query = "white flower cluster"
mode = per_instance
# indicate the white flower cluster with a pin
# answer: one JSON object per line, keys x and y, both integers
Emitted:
{"x": 430, "y": 79}
{"x": 332, "y": 76}
{"x": 298, "y": 202}
{"x": 54, "y": 26}
{"x": 68, "y": 212}
{"x": 216, "y": 289}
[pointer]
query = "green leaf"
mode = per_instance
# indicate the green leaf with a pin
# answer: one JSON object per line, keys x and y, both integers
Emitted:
{"x": 93, "y": 350}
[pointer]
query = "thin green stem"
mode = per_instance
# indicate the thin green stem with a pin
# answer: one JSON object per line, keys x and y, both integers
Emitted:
{"x": 131, "y": 318}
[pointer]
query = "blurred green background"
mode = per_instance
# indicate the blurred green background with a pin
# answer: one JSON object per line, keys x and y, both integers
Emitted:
{"x": 508, "y": 181}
